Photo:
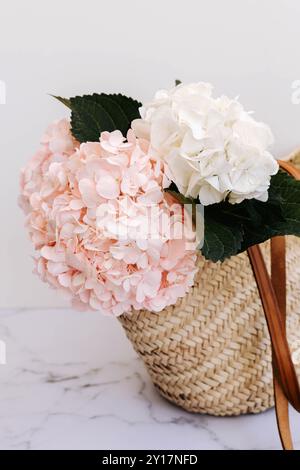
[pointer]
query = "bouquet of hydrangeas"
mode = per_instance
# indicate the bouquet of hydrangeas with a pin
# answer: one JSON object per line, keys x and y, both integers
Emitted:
{"x": 115, "y": 159}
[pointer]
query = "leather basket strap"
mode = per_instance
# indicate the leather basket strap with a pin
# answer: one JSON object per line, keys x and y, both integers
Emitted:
{"x": 273, "y": 296}
{"x": 278, "y": 276}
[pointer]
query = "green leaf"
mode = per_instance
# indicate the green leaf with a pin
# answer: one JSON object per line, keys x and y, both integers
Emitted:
{"x": 93, "y": 114}
{"x": 232, "y": 228}
{"x": 89, "y": 119}
{"x": 129, "y": 106}
{"x": 64, "y": 101}
{"x": 220, "y": 240}
{"x": 286, "y": 190}
{"x": 120, "y": 119}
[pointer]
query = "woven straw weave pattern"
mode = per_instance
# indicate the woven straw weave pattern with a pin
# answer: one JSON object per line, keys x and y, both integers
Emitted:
{"x": 210, "y": 353}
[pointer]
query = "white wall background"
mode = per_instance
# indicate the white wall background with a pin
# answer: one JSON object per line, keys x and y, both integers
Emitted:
{"x": 248, "y": 48}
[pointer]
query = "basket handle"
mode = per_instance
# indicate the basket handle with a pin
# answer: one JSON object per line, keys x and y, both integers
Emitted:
{"x": 272, "y": 292}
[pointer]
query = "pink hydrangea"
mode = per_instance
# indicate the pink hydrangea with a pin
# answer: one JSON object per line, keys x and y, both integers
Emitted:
{"x": 88, "y": 208}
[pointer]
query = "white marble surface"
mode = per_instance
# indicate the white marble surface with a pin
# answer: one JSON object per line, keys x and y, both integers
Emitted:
{"x": 72, "y": 381}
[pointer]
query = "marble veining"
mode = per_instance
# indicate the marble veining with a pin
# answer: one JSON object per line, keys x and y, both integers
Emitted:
{"x": 72, "y": 381}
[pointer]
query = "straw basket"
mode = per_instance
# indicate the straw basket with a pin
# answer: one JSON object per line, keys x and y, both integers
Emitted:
{"x": 210, "y": 353}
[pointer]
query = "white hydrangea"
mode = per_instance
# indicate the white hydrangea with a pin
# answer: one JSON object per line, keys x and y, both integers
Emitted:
{"x": 212, "y": 147}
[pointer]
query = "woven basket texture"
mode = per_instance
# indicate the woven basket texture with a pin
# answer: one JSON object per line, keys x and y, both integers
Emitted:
{"x": 210, "y": 353}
